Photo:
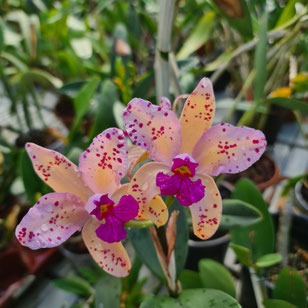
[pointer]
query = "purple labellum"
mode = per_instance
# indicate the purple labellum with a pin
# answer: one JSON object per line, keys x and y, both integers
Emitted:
{"x": 113, "y": 216}
{"x": 180, "y": 184}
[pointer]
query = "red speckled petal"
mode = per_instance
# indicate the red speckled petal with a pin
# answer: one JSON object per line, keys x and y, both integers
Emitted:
{"x": 225, "y": 148}
{"x": 165, "y": 103}
{"x": 197, "y": 115}
{"x": 206, "y": 213}
{"x": 112, "y": 258}
{"x": 135, "y": 156}
{"x": 153, "y": 128}
{"x": 104, "y": 162}
{"x": 57, "y": 171}
{"x": 51, "y": 221}
{"x": 143, "y": 188}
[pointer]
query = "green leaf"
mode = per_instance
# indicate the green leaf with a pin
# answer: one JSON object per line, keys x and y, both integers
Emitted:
{"x": 143, "y": 86}
{"x": 259, "y": 237}
{"x": 269, "y": 260}
{"x": 260, "y": 59}
{"x": 90, "y": 274}
{"x": 117, "y": 111}
{"x": 199, "y": 35}
{"x": 277, "y": 303}
{"x": 74, "y": 284}
{"x": 243, "y": 254}
{"x": 205, "y": 298}
{"x": 181, "y": 246}
{"x": 32, "y": 183}
{"x": 190, "y": 280}
{"x": 143, "y": 245}
{"x": 287, "y": 13}
{"x": 103, "y": 112}
{"x": 290, "y": 287}
{"x": 289, "y": 103}
{"x": 82, "y": 102}
{"x": 1, "y": 35}
{"x": 237, "y": 213}
{"x": 215, "y": 276}
{"x": 108, "y": 292}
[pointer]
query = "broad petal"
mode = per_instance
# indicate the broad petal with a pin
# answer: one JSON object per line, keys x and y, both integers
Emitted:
{"x": 112, "y": 258}
{"x": 57, "y": 171}
{"x": 228, "y": 149}
{"x": 206, "y": 213}
{"x": 112, "y": 230}
{"x": 104, "y": 162}
{"x": 127, "y": 208}
{"x": 51, "y": 221}
{"x": 153, "y": 128}
{"x": 197, "y": 115}
{"x": 143, "y": 188}
{"x": 136, "y": 155}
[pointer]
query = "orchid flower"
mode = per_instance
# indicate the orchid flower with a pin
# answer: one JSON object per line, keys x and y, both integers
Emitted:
{"x": 187, "y": 152}
{"x": 90, "y": 198}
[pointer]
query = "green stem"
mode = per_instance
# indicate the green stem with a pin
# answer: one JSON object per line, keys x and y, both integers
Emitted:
{"x": 169, "y": 201}
{"x": 139, "y": 224}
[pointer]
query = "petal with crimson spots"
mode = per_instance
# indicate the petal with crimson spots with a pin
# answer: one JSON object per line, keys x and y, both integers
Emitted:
{"x": 51, "y": 221}
{"x": 206, "y": 214}
{"x": 225, "y": 148}
{"x": 153, "y": 128}
{"x": 165, "y": 103}
{"x": 143, "y": 187}
{"x": 112, "y": 258}
{"x": 197, "y": 115}
{"x": 104, "y": 162}
{"x": 157, "y": 211}
{"x": 57, "y": 171}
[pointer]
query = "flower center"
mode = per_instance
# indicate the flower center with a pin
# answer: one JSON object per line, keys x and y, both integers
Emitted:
{"x": 103, "y": 207}
{"x": 184, "y": 165}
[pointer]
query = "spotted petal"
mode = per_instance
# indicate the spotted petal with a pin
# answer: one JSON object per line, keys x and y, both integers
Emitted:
{"x": 206, "y": 213}
{"x": 153, "y": 128}
{"x": 143, "y": 188}
{"x": 197, "y": 115}
{"x": 104, "y": 162}
{"x": 51, "y": 221}
{"x": 57, "y": 171}
{"x": 228, "y": 149}
{"x": 112, "y": 258}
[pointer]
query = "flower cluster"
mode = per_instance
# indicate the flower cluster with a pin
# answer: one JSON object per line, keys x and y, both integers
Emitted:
{"x": 185, "y": 153}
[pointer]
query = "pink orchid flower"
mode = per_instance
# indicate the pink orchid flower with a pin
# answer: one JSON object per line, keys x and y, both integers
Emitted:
{"x": 90, "y": 198}
{"x": 187, "y": 152}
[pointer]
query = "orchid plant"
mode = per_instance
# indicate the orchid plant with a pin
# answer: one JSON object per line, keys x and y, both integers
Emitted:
{"x": 186, "y": 153}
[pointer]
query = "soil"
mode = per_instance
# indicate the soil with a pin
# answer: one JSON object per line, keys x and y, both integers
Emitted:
{"x": 297, "y": 259}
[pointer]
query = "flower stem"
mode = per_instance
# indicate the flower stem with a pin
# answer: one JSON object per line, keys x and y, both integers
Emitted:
{"x": 169, "y": 201}
{"x": 139, "y": 224}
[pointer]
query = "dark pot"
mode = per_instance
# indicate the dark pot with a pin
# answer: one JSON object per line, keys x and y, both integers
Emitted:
{"x": 264, "y": 173}
{"x": 215, "y": 248}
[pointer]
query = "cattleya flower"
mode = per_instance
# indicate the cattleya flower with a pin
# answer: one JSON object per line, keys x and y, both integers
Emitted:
{"x": 89, "y": 197}
{"x": 187, "y": 152}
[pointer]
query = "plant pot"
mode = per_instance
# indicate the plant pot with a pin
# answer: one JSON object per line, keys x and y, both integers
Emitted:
{"x": 214, "y": 248}
{"x": 264, "y": 173}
